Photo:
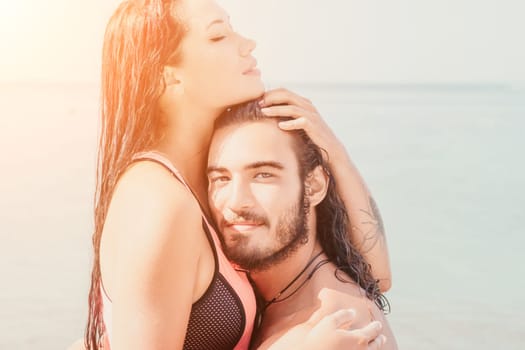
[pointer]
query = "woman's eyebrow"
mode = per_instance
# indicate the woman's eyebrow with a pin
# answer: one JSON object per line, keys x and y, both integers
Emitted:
{"x": 218, "y": 21}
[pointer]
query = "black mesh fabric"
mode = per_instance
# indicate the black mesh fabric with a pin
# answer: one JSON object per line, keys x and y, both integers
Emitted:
{"x": 217, "y": 321}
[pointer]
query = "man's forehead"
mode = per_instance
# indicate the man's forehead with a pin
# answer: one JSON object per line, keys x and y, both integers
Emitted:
{"x": 249, "y": 142}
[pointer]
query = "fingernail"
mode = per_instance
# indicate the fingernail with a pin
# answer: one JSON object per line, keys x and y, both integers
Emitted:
{"x": 378, "y": 325}
{"x": 261, "y": 102}
{"x": 351, "y": 312}
{"x": 383, "y": 339}
{"x": 265, "y": 110}
{"x": 286, "y": 126}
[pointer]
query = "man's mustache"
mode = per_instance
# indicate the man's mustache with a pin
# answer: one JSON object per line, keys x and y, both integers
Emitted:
{"x": 242, "y": 217}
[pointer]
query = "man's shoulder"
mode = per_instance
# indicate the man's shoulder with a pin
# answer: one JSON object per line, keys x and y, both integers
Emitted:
{"x": 348, "y": 296}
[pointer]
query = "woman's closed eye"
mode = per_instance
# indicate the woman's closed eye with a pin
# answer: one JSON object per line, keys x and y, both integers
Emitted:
{"x": 218, "y": 38}
{"x": 221, "y": 32}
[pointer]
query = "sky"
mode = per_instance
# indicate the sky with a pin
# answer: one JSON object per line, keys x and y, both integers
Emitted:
{"x": 342, "y": 41}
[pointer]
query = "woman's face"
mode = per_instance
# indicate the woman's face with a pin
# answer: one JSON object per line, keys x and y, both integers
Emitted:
{"x": 217, "y": 68}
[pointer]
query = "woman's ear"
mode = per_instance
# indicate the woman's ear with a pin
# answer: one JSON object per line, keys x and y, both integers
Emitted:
{"x": 170, "y": 76}
{"x": 172, "y": 87}
{"x": 316, "y": 185}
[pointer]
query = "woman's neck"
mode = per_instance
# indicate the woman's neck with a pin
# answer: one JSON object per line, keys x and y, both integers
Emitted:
{"x": 186, "y": 143}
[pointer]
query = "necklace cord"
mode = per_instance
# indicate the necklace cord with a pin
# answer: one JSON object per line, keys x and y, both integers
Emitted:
{"x": 310, "y": 275}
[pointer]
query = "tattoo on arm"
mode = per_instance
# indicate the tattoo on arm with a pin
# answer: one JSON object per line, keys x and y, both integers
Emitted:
{"x": 377, "y": 216}
{"x": 372, "y": 228}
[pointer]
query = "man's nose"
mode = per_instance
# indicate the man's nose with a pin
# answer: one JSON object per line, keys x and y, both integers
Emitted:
{"x": 240, "y": 197}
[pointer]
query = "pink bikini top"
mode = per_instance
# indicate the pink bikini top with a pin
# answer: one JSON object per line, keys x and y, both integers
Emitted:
{"x": 223, "y": 317}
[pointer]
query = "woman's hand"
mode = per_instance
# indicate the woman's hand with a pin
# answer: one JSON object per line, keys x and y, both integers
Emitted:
{"x": 284, "y": 103}
{"x": 333, "y": 332}
{"x": 367, "y": 232}
{"x": 329, "y": 332}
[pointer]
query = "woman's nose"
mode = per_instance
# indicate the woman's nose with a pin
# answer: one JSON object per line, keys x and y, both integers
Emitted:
{"x": 247, "y": 46}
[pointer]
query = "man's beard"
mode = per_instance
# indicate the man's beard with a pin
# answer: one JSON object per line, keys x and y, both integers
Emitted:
{"x": 292, "y": 233}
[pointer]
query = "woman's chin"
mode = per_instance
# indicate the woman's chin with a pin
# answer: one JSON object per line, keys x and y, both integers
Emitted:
{"x": 250, "y": 94}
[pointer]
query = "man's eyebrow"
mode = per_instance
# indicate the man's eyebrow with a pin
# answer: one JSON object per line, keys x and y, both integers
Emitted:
{"x": 272, "y": 164}
{"x": 212, "y": 168}
{"x": 255, "y": 165}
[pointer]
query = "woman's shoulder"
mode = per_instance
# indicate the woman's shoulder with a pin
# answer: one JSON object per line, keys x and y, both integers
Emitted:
{"x": 152, "y": 199}
{"x": 153, "y": 222}
{"x": 149, "y": 180}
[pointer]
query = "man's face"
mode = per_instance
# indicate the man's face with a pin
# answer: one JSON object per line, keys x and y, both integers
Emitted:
{"x": 256, "y": 195}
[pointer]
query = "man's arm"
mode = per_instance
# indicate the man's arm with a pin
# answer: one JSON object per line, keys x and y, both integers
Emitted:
{"x": 330, "y": 332}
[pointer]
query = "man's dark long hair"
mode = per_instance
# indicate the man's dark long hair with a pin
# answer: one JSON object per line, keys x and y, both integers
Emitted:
{"x": 333, "y": 223}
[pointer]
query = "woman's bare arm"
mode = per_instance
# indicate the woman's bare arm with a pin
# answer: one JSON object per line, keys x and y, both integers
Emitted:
{"x": 367, "y": 232}
{"x": 329, "y": 333}
{"x": 367, "y": 229}
{"x": 156, "y": 259}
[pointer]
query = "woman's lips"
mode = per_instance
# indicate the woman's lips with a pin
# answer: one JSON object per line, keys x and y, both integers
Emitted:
{"x": 253, "y": 71}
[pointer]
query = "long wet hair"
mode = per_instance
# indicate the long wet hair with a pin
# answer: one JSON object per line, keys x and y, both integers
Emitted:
{"x": 141, "y": 38}
{"x": 333, "y": 223}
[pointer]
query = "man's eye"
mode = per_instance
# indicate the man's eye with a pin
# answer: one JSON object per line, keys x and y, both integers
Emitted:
{"x": 219, "y": 179}
{"x": 263, "y": 175}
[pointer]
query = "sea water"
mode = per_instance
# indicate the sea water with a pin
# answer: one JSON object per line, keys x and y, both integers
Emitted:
{"x": 443, "y": 162}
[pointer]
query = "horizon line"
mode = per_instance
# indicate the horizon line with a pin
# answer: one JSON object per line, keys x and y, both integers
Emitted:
{"x": 502, "y": 84}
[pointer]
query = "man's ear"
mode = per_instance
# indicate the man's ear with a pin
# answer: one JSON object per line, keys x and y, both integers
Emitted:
{"x": 316, "y": 185}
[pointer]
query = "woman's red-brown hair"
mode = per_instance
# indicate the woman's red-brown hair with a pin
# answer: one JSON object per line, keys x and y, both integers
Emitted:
{"x": 141, "y": 38}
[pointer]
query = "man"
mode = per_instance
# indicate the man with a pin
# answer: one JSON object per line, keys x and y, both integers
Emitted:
{"x": 280, "y": 218}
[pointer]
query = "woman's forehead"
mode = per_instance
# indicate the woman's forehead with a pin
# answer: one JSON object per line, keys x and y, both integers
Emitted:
{"x": 198, "y": 15}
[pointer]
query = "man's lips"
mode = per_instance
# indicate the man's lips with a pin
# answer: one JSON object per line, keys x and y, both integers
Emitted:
{"x": 243, "y": 226}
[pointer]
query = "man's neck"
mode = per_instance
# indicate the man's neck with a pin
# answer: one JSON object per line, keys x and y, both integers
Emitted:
{"x": 271, "y": 282}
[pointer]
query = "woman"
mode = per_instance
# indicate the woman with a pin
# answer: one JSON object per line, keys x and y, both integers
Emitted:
{"x": 169, "y": 69}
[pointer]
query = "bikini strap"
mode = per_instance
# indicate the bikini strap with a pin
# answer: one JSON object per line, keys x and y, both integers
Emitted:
{"x": 160, "y": 158}
{"x": 163, "y": 160}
